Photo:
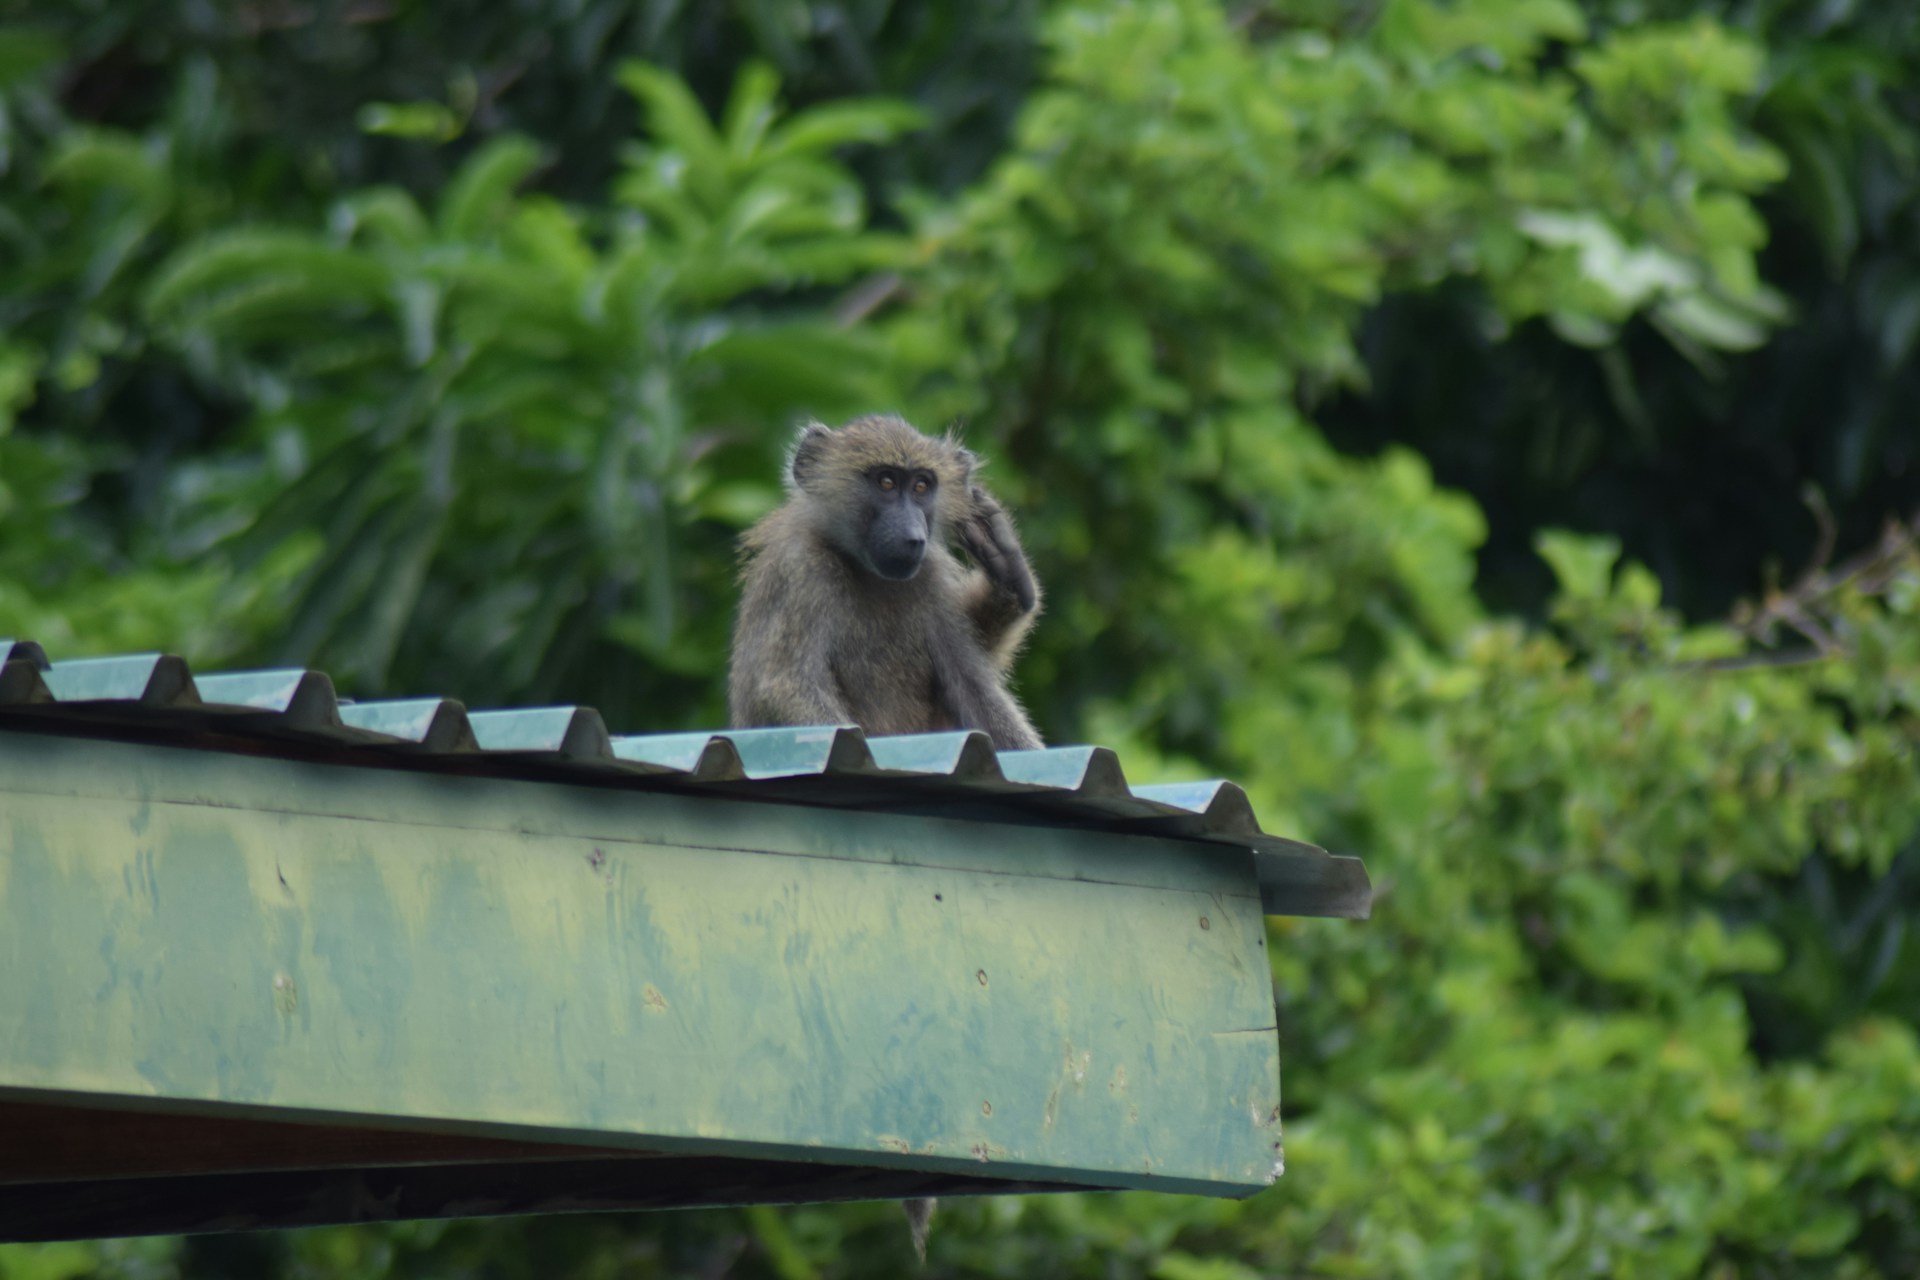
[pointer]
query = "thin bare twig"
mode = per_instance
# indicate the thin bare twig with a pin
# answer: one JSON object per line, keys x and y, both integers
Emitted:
{"x": 868, "y": 297}
{"x": 1799, "y": 608}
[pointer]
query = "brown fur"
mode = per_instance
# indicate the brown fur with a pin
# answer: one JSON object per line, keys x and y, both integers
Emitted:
{"x": 821, "y": 638}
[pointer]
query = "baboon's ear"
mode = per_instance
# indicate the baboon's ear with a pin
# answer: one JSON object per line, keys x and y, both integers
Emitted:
{"x": 808, "y": 452}
{"x": 969, "y": 460}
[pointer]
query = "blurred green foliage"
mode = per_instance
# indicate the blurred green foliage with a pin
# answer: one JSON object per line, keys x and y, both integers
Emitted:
{"x": 449, "y": 347}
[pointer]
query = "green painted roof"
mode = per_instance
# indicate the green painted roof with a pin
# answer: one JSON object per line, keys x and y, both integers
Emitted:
{"x": 952, "y": 775}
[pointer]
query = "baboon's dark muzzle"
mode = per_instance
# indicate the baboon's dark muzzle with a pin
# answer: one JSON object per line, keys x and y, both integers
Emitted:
{"x": 901, "y": 561}
{"x": 897, "y": 544}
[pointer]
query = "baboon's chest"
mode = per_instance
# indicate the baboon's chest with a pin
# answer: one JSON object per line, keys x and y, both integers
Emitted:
{"x": 888, "y": 675}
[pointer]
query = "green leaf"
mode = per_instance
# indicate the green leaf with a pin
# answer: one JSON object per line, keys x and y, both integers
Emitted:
{"x": 750, "y": 108}
{"x": 481, "y": 192}
{"x": 26, "y": 53}
{"x": 1712, "y": 322}
{"x": 19, "y": 370}
{"x": 1631, "y": 277}
{"x": 389, "y": 213}
{"x": 91, "y": 159}
{"x": 430, "y": 121}
{"x": 1186, "y": 1266}
{"x": 673, "y": 114}
{"x": 64, "y": 1261}
{"x": 1581, "y": 564}
{"x": 821, "y": 129}
{"x": 199, "y": 280}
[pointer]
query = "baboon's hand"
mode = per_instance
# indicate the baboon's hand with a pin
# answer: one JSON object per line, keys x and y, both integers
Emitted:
{"x": 987, "y": 534}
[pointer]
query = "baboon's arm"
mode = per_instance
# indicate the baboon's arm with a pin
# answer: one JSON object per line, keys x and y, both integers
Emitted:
{"x": 976, "y": 696}
{"x": 978, "y": 701}
{"x": 1003, "y": 598}
{"x": 781, "y": 673}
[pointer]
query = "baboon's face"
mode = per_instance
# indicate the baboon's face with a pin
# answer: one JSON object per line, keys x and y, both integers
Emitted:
{"x": 880, "y": 492}
{"x": 900, "y": 508}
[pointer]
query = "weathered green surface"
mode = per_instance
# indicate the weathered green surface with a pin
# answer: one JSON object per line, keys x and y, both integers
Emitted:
{"x": 623, "y": 968}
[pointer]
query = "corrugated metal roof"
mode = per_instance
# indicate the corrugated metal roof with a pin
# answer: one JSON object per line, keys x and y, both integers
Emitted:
{"x": 949, "y": 774}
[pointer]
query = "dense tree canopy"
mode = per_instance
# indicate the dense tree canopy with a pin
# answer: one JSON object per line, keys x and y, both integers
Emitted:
{"x": 1481, "y": 427}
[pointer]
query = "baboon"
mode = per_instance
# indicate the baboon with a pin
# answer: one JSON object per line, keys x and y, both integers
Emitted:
{"x": 854, "y": 610}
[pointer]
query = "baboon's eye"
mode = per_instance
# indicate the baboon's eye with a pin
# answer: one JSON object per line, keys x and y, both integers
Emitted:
{"x": 887, "y": 484}
{"x": 921, "y": 486}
